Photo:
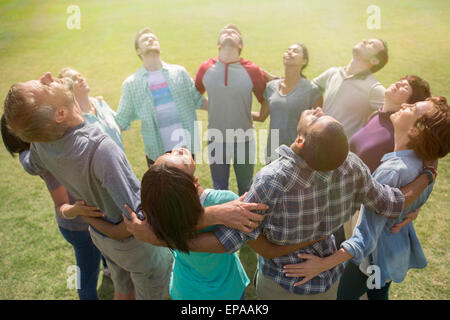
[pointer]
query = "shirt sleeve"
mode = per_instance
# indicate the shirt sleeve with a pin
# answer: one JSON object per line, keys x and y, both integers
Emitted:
{"x": 379, "y": 196}
{"x": 376, "y": 97}
{"x": 126, "y": 112}
{"x": 315, "y": 94}
{"x": 366, "y": 235}
{"x": 321, "y": 80}
{"x": 196, "y": 97}
{"x": 31, "y": 163}
{"x": 257, "y": 77}
{"x": 233, "y": 239}
{"x": 50, "y": 181}
{"x": 200, "y": 74}
{"x": 112, "y": 169}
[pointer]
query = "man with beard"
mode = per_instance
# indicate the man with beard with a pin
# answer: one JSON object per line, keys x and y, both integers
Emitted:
{"x": 163, "y": 97}
{"x": 229, "y": 81}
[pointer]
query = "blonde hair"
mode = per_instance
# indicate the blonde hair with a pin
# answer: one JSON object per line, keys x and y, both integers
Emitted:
{"x": 28, "y": 121}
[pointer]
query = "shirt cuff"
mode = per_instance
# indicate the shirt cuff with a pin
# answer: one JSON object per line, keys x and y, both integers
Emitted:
{"x": 354, "y": 250}
{"x": 231, "y": 239}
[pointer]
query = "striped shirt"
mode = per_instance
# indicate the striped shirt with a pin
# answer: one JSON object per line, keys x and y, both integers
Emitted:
{"x": 166, "y": 112}
{"x": 305, "y": 205}
{"x": 137, "y": 102}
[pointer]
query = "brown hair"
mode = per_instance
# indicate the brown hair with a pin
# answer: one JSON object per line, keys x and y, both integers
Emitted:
{"x": 138, "y": 36}
{"x": 420, "y": 88}
{"x": 171, "y": 204}
{"x": 382, "y": 57}
{"x": 433, "y": 138}
{"x": 305, "y": 56}
{"x": 28, "y": 121}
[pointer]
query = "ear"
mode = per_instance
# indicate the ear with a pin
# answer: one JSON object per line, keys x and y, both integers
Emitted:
{"x": 413, "y": 132}
{"x": 299, "y": 142}
{"x": 374, "y": 61}
{"x": 60, "y": 114}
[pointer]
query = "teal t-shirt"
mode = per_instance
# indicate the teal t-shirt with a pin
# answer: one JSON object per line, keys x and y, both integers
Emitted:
{"x": 208, "y": 276}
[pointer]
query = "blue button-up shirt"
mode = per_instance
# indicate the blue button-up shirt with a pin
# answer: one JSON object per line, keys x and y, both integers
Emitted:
{"x": 305, "y": 205}
{"x": 393, "y": 253}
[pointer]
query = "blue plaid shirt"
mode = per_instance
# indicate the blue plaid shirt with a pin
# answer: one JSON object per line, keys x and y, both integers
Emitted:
{"x": 305, "y": 205}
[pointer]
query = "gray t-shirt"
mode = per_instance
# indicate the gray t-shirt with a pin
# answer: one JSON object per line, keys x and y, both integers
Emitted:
{"x": 285, "y": 111}
{"x": 91, "y": 166}
{"x": 77, "y": 224}
{"x": 350, "y": 99}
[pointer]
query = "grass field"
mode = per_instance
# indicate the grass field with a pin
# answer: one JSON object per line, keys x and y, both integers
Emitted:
{"x": 34, "y": 39}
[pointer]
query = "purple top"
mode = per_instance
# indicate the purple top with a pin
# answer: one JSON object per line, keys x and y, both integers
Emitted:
{"x": 374, "y": 140}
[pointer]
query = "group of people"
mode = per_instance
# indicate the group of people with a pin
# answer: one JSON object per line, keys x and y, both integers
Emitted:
{"x": 352, "y": 165}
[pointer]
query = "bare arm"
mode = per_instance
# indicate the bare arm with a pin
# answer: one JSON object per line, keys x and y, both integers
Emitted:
{"x": 263, "y": 113}
{"x": 270, "y": 250}
{"x": 204, "y": 105}
{"x": 314, "y": 265}
{"x": 319, "y": 103}
{"x": 114, "y": 231}
{"x": 79, "y": 208}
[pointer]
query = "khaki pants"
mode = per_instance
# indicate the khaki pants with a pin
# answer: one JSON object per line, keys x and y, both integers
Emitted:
{"x": 268, "y": 289}
{"x": 136, "y": 265}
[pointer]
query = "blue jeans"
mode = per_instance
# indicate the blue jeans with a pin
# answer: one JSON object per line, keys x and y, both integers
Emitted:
{"x": 88, "y": 260}
{"x": 243, "y": 154}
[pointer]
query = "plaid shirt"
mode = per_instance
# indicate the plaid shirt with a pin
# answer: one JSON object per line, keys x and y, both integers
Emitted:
{"x": 136, "y": 103}
{"x": 305, "y": 205}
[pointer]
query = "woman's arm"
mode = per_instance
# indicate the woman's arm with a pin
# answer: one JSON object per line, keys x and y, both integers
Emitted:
{"x": 70, "y": 211}
{"x": 270, "y": 250}
{"x": 263, "y": 113}
{"x": 314, "y": 265}
{"x": 114, "y": 231}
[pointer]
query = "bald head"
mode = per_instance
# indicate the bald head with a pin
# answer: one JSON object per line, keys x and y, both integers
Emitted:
{"x": 325, "y": 144}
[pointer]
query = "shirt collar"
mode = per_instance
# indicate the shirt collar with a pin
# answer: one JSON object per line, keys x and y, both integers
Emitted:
{"x": 307, "y": 172}
{"x": 401, "y": 153}
{"x": 360, "y": 76}
{"x": 144, "y": 72}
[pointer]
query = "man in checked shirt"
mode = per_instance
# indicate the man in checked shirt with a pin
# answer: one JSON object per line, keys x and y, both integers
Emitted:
{"x": 311, "y": 190}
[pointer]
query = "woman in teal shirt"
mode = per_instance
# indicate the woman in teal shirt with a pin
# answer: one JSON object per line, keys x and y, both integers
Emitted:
{"x": 173, "y": 203}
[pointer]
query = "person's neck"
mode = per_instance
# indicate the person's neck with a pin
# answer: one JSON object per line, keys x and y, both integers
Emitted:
{"x": 84, "y": 103}
{"x": 229, "y": 54}
{"x": 292, "y": 76}
{"x": 400, "y": 141}
{"x": 356, "y": 66}
{"x": 200, "y": 190}
{"x": 390, "y": 106}
{"x": 152, "y": 61}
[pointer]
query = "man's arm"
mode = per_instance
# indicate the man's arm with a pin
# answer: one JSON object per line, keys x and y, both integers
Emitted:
{"x": 112, "y": 169}
{"x": 126, "y": 111}
{"x": 270, "y": 250}
{"x": 114, "y": 231}
{"x": 234, "y": 214}
{"x": 142, "y": 231}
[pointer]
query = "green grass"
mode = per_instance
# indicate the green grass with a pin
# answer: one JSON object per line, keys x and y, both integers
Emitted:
{"x": 34, "y": 39}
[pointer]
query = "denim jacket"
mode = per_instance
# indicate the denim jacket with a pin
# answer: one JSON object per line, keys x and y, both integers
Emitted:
{"x": 394, "y": 254}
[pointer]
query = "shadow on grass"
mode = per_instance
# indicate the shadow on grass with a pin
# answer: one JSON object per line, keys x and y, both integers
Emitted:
{"x": 106, "y": 289}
